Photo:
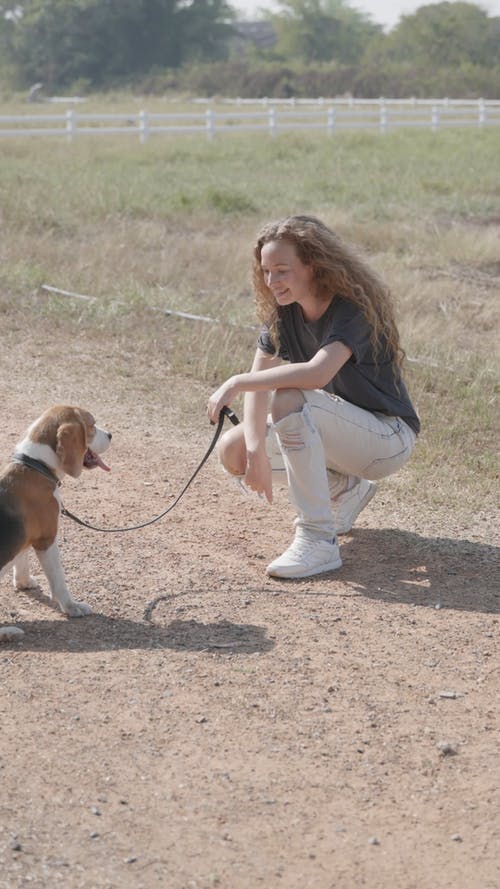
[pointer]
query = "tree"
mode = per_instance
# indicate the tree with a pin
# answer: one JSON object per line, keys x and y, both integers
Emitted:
{"x": 322, "y": 31}
{"x": 445, "y": 35}
{"x": 61, "y": 41}
{"x": 206, "y": 28}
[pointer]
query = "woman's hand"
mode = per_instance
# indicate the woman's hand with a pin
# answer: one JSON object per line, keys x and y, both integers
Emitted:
{"x": 258, "y": 476}
{"x": 223, "y": 396}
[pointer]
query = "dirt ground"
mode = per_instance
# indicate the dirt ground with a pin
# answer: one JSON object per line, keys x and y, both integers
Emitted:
{"x": 211, "y": 727}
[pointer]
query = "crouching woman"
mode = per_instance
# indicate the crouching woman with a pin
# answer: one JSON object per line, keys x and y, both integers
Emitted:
{"x": 329, "y": 360}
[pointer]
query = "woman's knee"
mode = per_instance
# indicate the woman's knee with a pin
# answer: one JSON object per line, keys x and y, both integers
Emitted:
{"x": 285, "y": 402}
{"x": 231, "y": 450}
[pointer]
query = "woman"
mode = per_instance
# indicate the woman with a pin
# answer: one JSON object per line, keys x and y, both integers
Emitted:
{"x": 329, "y": 353}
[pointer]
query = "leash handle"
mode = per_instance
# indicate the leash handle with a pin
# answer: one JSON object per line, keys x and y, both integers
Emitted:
{"x": 225, "y": 412}
{"x": 229, "y": 413}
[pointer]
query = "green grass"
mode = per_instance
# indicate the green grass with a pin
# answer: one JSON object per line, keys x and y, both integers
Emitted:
{"x": 171, "y": 224}
{"x": 369, "y": 176}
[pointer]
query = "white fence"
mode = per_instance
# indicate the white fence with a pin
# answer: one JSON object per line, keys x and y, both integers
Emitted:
{"x": 272, "y": 116}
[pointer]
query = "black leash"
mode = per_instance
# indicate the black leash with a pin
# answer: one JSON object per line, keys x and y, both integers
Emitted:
{"x": 225, "y": 412}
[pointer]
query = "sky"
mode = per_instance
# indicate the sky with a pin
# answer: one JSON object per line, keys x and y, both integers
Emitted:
{"x": 384, "y": 12}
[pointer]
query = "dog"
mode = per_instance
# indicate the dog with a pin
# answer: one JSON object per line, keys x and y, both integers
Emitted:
{"x": 63, "y": 441}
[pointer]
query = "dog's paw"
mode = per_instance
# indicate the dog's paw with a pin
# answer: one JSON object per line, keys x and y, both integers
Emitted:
{"x": 8, "y": 633}
{"x": 77, "y": 609}
{"x": 26, "y": 583}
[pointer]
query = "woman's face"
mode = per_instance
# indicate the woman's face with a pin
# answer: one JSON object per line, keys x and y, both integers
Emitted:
{"x": 285, "y": 274}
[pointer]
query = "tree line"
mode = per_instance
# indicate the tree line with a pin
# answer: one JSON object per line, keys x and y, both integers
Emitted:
{"x": 305, "y": 48}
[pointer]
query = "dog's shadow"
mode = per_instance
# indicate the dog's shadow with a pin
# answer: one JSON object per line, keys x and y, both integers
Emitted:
{"x": 98, "y": 632}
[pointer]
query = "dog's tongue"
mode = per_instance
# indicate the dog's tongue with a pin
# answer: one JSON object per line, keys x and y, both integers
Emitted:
{"x": 102, "y": 465}
{"x": 91, "y": 460}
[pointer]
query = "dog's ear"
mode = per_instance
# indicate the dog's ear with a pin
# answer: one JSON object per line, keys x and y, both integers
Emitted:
{"x": 71, "y": 447}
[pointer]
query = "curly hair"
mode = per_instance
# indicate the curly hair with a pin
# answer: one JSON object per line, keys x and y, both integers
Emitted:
{"x": 337, "y": 270}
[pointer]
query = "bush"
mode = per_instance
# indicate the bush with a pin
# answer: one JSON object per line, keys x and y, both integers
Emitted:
{"x": 249, "y": 79}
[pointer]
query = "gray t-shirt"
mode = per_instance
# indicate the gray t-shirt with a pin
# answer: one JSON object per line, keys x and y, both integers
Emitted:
{"x": 363, "y": 381}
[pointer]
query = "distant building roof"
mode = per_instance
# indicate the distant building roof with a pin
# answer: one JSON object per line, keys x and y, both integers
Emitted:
{"x": 261, "y": 33}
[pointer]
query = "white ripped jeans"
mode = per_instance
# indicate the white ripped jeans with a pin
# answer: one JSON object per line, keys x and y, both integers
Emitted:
{"x": 325, "y": 443}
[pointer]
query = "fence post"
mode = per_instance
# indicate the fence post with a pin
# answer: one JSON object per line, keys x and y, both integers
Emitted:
{"x": 435, "y": 118}
{"x": 70, "y": 125}
{"x": 272, "y": 121}
{"x": 383, "y": 117}
{"x": 209, "y": 123}
{"x": 331, "y": 121}
{"x": 482, "y": 112}
{"x": 143, "y": 127}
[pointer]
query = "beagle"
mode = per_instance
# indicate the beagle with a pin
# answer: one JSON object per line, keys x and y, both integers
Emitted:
{"x": 64, "y": 440}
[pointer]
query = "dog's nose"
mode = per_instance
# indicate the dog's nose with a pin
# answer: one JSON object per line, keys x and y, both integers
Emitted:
{"x": 109, "y": 435}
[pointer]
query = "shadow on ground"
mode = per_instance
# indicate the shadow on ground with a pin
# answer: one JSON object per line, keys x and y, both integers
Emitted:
{"x": 101, "y": 633}
{"x": 387, "y": 565}
{"x": 434, "y": 571}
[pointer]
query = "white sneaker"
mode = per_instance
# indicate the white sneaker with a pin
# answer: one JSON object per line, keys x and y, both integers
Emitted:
{"x": 306, "y": 557}
{"x": 347, "y": 507}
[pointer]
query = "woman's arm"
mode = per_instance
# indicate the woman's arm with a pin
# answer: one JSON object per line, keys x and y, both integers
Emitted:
{"x": 313, "y": 374}
{"x": 256, "y": 404}
{"x": 258, "y": 471}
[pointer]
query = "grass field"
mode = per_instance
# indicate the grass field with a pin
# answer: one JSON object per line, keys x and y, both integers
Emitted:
{"x": 170, "y": 224}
